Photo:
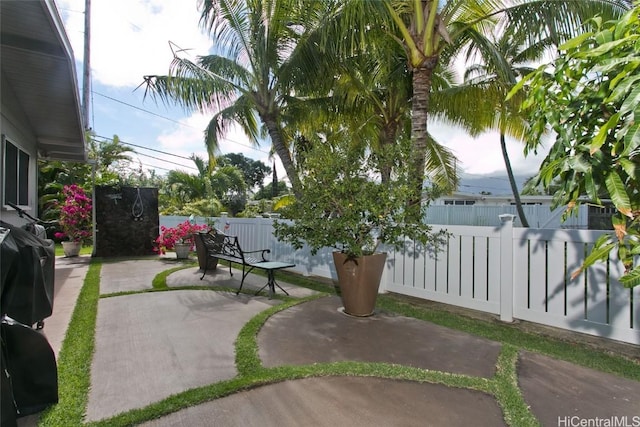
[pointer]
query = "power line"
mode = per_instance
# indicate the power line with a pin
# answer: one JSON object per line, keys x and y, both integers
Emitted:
{"x": 148, "y": 166}
{"x": 143, "y": 110}
{"x": 147, "y": 148}
{"x": 175, "y": 121}
{"x": 167, "y": 161}
{"x": 153, "y": 157}
{"x": 154, "y": 167}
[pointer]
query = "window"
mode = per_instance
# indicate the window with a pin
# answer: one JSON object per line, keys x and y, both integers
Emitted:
{"x": 460, "y": 202}
{"x": 16, "y": 174}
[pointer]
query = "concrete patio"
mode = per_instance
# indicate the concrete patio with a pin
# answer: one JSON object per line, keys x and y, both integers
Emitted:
{"x": 150, "y": 346}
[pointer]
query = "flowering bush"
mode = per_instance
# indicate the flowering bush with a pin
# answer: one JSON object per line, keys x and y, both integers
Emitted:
{"x": 76, "y": 219}
{"x": 182, "y": 233}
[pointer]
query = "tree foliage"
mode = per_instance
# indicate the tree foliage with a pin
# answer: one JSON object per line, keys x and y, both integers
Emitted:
{"x": 432, "y": 33}
{"x": 590, "y": 98}
{"x": 206, "y": 192}
{"x": 345, "y": 207}
{"x": 246, "y": 81}
{"x": 112, "y": 167}
{"x": 253, "y": 171}
{"x": 267, "y": 191}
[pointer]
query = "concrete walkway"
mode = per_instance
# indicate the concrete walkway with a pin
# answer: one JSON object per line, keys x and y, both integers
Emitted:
{"x": 150, "y": 346}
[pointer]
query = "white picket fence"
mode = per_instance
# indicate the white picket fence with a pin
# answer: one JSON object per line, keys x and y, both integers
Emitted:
{"x": 540, "y": 216}
{"x": 515, "y": 273}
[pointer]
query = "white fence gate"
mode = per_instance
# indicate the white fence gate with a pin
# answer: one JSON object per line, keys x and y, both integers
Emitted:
{"x": 521, "y": 273}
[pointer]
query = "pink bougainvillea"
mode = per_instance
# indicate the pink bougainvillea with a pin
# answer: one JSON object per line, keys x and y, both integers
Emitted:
{"x": 182, "y": 233}
{"x": 76, "y": 219}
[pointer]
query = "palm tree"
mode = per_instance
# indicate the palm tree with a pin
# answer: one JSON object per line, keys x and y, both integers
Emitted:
{"x": 53, "y": 175}
{"x": 367, "y": 92}
{"x": 222, "y": 185}
{"x": 368, "y": 98}
{"x": 109, "y": 152}
{"x": 504, "y": 62}
{"x": 247, "y": 81}
{"x": 431, "y": 29}
{"x": 228, "y": 181}
{"x": 187, "y": 187}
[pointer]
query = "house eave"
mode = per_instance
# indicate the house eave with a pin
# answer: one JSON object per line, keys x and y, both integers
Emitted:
{"x": 39, "y": 68}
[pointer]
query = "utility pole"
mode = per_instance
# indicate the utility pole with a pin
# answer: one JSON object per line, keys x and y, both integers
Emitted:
{"x": 86, "y": 96}
{"x": 86, "y": 74}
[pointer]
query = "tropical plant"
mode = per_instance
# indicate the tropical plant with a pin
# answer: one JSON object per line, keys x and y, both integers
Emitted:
{"x": 253, "y": 171}
{"x": 201, "y": 207}
{"x": 223, "y": 185}
{"x": 247, "y": 80}
{"x": 113, "y": 162}
{"x": 185, "y": 187}
{"x": 76, "y": 215}
{"x": 228, "y": 181}
{"x": 182, "y": 233}
{"x": 431, "y": 30}
{"x": 371, "y": 95}
{"x": 591, "y": 98}
{"x": 111, "y": 167}
{"x": 504, "y": 62}
{"x": 267, "y": 191}
{"x": 344, "y": 206}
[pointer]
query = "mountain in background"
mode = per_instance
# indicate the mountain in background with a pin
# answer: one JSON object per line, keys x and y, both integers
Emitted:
{"x": 496, "y": 184}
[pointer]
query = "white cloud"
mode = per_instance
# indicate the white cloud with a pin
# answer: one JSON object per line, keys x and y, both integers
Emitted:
{"x": 188, "y": 138}
{"x": 129, "y": 38}
{"x": 482, "y": 155}
{"x": 185, "y": 140}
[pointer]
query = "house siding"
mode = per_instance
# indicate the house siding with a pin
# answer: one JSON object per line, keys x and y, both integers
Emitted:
{"x": 15, "y": 127}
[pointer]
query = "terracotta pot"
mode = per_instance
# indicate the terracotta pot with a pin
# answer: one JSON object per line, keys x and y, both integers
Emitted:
{"x": 359, "y": 280}
{"x": 71, "y": 249}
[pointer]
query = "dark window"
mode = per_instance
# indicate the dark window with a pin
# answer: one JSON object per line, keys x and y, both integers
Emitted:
{"x": 16, "y": 175}
{"x": 460, "y": 202}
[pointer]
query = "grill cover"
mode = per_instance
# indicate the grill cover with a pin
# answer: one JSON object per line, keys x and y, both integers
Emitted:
{"x": 27, "y": 269}
{"x": 28, "y": 374}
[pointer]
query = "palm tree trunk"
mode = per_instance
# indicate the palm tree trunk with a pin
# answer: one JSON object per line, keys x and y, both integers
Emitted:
{"x": 387, "y": 139}
{"x": 283, "y": 153}
{"x": 512, "y": 181}
{"x": 422, "y": 78}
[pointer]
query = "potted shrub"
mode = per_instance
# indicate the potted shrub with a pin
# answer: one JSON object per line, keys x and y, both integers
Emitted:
{"x": 179, "y": 239}
{"x": 344, "y": 205}
{"x": 76, "y": 219}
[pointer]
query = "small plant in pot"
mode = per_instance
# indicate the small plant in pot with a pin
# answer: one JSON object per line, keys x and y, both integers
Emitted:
{"x": 344, "y": 205}
{"x": 76, "y": 219}
{"x": 180, "y": 239}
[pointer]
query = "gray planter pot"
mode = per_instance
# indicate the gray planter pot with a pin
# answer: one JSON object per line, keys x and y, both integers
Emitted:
{"x": 205, "y": 262}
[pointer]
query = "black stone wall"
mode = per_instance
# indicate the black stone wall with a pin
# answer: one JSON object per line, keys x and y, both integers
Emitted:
{"x": 127, "y": 221}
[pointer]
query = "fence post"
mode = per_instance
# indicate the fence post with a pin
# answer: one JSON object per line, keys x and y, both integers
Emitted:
{"x": 506, "y": 267}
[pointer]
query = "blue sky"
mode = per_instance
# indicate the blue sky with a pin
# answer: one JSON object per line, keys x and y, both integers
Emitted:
{"x": 130, "y": 39}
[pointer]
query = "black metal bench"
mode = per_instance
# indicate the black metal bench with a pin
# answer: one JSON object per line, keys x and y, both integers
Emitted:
{"x": 221, "y": 246}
